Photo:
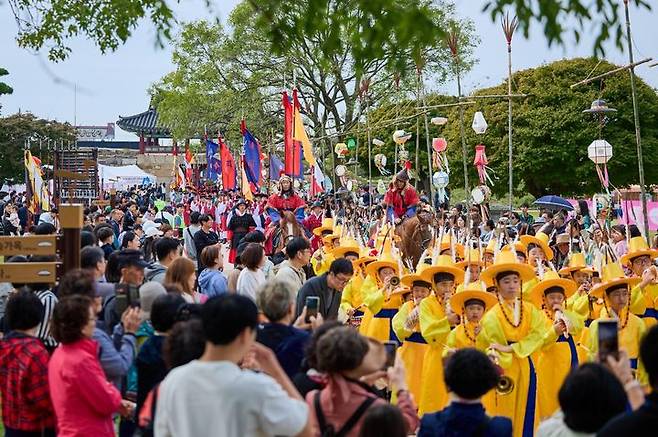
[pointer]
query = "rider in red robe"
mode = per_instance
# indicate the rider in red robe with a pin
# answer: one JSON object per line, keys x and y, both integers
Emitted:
{"x": 401, "y": 198}
{"x": 285, "y": 200}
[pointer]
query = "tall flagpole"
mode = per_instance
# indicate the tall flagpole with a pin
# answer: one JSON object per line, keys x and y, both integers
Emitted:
{"x": 636, "y": 116}
{"x": 508, "y": 28}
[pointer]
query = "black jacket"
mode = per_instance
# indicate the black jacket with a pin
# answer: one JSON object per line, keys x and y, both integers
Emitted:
{"x": 642, "y": 422}
{"x": 202, "y": 240}
{"x": 329, "y": 298}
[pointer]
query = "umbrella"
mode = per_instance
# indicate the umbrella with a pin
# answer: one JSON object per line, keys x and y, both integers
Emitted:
{"x": 554, "y": 202}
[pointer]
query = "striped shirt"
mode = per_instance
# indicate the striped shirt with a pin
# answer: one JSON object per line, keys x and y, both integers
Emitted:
{"x": 49, "y": 300}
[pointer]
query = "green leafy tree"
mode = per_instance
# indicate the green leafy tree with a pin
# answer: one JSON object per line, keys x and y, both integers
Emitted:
{"x": 17, "y": 129}
{"x": 4, "y": 88}
{"x": 381, "y": 26}
{"x": 223, "y": 75}
{"x": 550, "y": 131}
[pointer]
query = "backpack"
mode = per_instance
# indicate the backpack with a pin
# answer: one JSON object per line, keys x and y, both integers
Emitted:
{"x": 327, "y": 430}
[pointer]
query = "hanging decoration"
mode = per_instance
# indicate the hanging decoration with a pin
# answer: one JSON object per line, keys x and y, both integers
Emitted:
{"x": 481, "y": 164}
{"x": 351, "y": 144}
{"x": 440, "y": 179}
{"x": 479, "y": 123}
{"x": 439, "y": 157}
{"x": 380, "y": 163}
{"x": 400, "y": 137}
{"x": 341, "y": 150}
{"x": 381, "y": 187}
{"x": 600, "y": 152}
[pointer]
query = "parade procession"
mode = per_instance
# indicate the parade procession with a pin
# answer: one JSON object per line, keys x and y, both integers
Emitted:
{"x": 335, "y": 219}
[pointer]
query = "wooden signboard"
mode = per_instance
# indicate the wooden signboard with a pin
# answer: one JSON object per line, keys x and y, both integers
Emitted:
{"x": 100, "y": 202}
{"x": 29, "y": 245}
{"x": 28, "y": 273}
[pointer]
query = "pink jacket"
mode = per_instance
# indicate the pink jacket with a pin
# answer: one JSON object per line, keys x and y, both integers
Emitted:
{"x": 340, "y": 399}
{"x": 83, "y": 399}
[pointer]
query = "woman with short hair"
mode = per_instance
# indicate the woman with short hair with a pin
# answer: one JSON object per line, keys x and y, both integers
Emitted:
{"x": 182, "y": 272}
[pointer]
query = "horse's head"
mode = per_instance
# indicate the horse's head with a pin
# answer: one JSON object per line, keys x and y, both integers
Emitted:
{"x": 425, "y": 217}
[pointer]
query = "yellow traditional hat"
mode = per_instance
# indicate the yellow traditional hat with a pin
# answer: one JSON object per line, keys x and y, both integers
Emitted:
{"x": 327, "y": 225}
{"x": 506, "y": 261}
{"x": 472, "y": 256}
{"x": 443, "y": 264}
{"x": 638, "y": 247}
{"x": 446, "y": 243}
{"x": 347, "y": 244}
{"x": 519, "y": 246}
{"x": 364, "y": 257}
{"x": 551, "y": 279}
{"x": 472, "y": 291}
{"x": 576, "y": 262}
{"x": 491, "y": 246}
{"x": 329, "y": 239}
{"x": 410, "y": 278}
{"x": 612, "y": 275}
{"x": 540, "y": 239}
{"x": 385, "y": 259}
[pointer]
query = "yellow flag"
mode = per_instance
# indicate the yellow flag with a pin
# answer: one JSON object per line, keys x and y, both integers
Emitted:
{"x": 246, "y": 189}
{"x": 299, "y": 134}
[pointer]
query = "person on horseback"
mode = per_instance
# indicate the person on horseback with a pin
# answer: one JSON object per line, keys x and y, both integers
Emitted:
{"x": 285, "y": 200}
{"x": 401, "y": 198}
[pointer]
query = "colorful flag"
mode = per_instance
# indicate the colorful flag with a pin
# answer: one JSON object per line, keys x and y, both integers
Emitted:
{"x": 299, "y": 136}
{"x": 228, "y": 166}
{"x": 251, "y": 158}
{"x": 179, "y": 178}
{"x": 189, "y": 160}
{"x": 35, "y": 183}
{"x": 247, "y": 186}
{"x": 292, "y": 155}
{"x": 317, "y": 179}
{"x": 214, "y": 166}
{"x": 276, "y": 167}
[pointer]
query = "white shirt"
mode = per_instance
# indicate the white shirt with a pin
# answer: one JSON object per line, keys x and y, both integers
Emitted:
{"x": 219, "y": 399}
{"x": 249, "y": 282}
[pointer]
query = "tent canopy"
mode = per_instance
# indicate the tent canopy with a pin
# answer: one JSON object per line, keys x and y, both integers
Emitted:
{"x": 123, "y": 177}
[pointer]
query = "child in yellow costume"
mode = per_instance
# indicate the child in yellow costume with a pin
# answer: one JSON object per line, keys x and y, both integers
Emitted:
{"x": 614, "y": 290}
{"x": 539, "y": 256}
{"x": 560, "y": 352}
{"x": 407, "y": 329}
{"x": 511, "y": 332}
{"x": 640, "y": 260}
{"x": 381, "y": 297}
{"x": 578, "y": 271}
{"x": 351, "y": 303}
{"x": 436, "y": 318}
{"x": 470, "y": 304}
{"x": 472, "y": 267}
{"x": 322, "y": 258}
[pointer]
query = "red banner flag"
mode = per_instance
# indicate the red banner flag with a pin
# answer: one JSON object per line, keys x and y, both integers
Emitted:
{"x": 292, "y": 162}
{"x": 228, "y": 166}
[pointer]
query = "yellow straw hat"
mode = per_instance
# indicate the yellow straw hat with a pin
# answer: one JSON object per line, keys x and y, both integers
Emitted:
{"x": 576, "y": 262}
{"x": 540, "y": 239}
{"x": 518, "y": 247}
{"x": 347, "y": 244}
{"x": 551, "y": 279}
{"x": 385, "y": 259}
{"x": 327, "y": 225}
{"x": 472, "y": 291}
{"x": 612, "y": 275}
{"x": 638, "y": 247}
{"x": 418, "y": 276}
{"x": 364, "y": 257}
{"x": 446, "y": 244}
{"x": 329, "y": 239}
{"x": 491, "y": 246}
{"x": 443, "y": 264}
{"x": 472, "y": 256}
{"x": 506, "y": 261}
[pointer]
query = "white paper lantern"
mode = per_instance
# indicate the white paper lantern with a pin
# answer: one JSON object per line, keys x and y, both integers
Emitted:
{"x": 440, "y": 179}
{"x": 401, "y": 137}
{"x": 600, "y": 151}
{"x": 479, "y": 123}
{"x": 439, "y": 121}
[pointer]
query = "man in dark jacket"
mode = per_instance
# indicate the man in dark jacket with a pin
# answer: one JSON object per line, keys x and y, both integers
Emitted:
{"x": 204, "y": 237}
{"x": 644, "y": 420}
{"x": 328, "y": 287}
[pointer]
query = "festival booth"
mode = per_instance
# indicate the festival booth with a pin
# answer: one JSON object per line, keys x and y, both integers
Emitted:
{"x": 123, "y": 177}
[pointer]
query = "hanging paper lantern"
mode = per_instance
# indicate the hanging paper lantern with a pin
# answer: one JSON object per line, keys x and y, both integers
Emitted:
{"x": 341, "y": 150}
{"x": 439, "y": 144}
{"x": 439, "y": 121}
{"x": 600, "y": 151}
{"x": 479, "y": 123}
{"x": 380, "y": 163}
{"x": 340, "y": 170}
{"x": 351, "y": 143}
{"x": 403, "y": 155}
{"x": 481, "y": 163}
{"x": 401, "y": 137}
{"x": 440, "y": 180}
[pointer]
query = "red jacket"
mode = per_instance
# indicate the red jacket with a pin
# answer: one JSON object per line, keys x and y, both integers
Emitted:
{"x": 84, "y": 400}
{"x": 401, "y": 201}
{"x": 26, "y": 402}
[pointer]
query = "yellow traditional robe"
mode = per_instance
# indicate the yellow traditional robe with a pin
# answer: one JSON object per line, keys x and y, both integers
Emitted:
{"x": 413, "y": 349}
{"x": 382, "y": 310}
{"x": 650, "y": 315}
{"x": 527, "y": 288}
{"x": 322, "y": 266}
{"x": 557, "y": 357}
{"x": 434, "y": 327}
{"x": 521, "y": 403}
{"x": 629, "y": 340}
{"x": 352, "y": 297}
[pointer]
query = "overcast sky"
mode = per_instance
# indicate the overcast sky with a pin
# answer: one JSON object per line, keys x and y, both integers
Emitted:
{"x": 117, "y": 83}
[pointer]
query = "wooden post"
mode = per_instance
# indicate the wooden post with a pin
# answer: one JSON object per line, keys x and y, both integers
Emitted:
{"x": 70, "y": 218}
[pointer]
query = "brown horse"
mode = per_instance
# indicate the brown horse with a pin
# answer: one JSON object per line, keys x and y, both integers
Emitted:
{"x": 414, "y": 236}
